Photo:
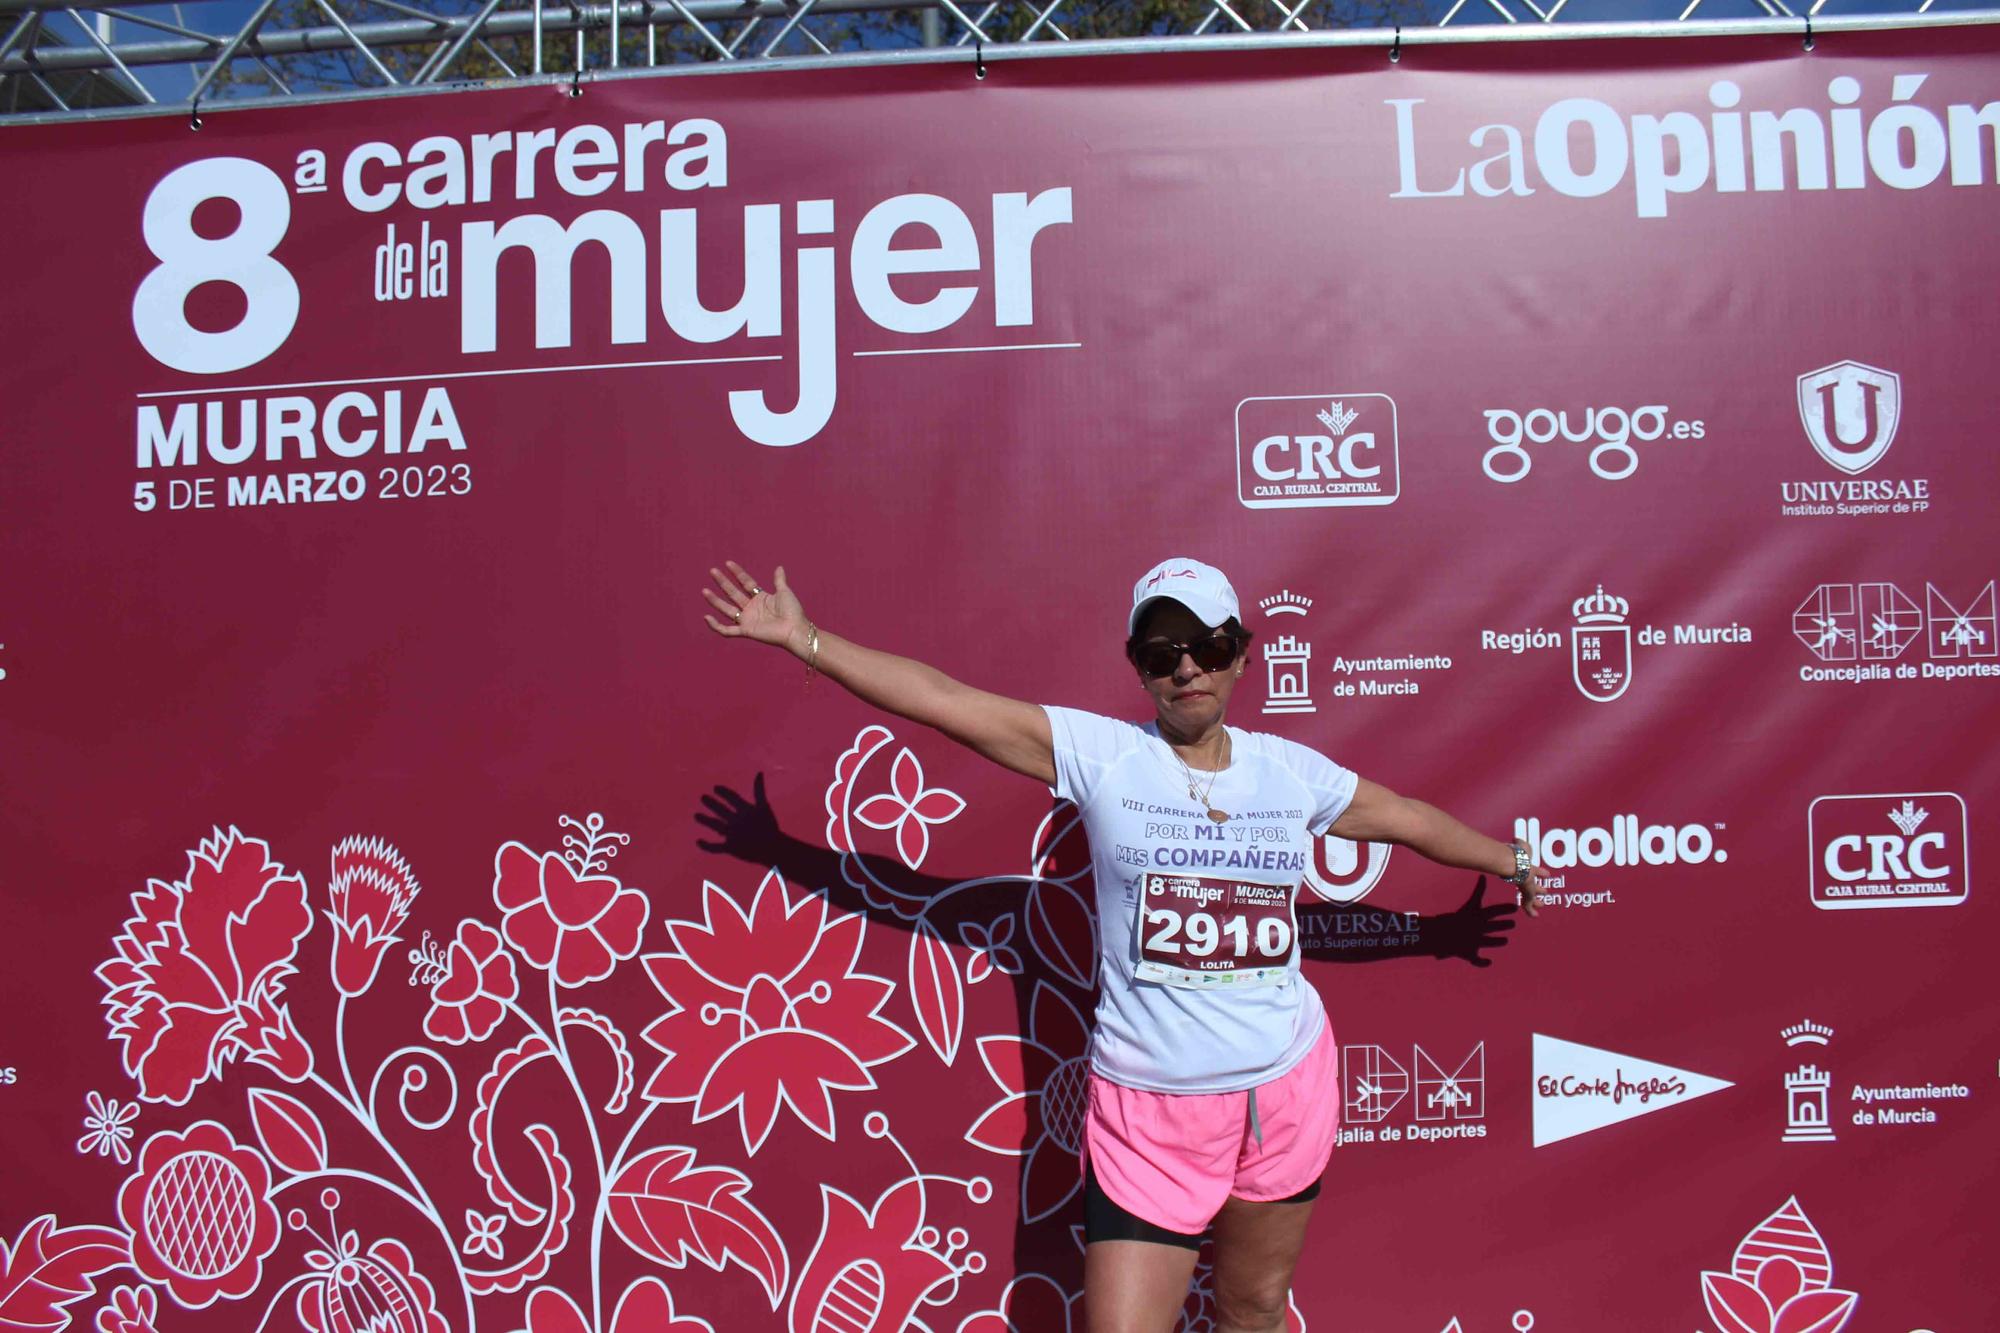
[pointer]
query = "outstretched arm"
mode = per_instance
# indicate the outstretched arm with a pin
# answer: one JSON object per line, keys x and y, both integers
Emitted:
{"x": 1010, "y": 732}
{"x": 1377, "y": 814}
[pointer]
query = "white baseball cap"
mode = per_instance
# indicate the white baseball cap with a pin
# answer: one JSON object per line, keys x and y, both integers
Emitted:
{"x": 1202, "y": 589}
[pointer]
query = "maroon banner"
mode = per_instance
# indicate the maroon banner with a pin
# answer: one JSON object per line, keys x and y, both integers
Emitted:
{"x": 420, "y": 921}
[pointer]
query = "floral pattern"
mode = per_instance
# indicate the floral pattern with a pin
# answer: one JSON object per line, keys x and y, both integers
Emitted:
{"x": 563, "y": 916}
{"x": 107, "y": 1126}
{"x": 200, "y": 969}
{"x": 909, "y": 809}
{"x": 470, "y": 992}
{"x": 200, "y": 1214}
{"x": 1030, "y": 1303}
{"x": 767, "y": 1011}
{"x": 130, "y": 1310}
{"x": 371, "y": 891}
{"x": 992, "y": 949}
{"x": 1043, "y": 1078}
{"x": 1780, "y": 1281}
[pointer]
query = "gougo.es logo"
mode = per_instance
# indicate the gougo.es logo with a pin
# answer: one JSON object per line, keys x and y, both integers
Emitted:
{"x": 1611, "y": 434}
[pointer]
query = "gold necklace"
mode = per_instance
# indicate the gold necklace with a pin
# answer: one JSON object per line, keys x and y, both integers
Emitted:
{"x": 1201, "y": 798}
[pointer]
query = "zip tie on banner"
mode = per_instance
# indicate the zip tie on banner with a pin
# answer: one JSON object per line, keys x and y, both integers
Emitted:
{"x": 194, "y": 114}
{"x": 1396, "y": 50}
{"x": 978, "y": 59}
{"x": 1809, "y": 36}
{"x": 576, "y": 82}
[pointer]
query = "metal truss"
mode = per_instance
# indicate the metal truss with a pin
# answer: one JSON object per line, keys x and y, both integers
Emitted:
{"x": 97, "y": 57}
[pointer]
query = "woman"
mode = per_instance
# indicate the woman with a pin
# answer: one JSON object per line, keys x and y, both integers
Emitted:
{"x": 1214, "y": 1096}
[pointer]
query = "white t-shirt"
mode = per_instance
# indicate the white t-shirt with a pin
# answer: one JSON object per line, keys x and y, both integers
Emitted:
{"x": 1204, "y": 995}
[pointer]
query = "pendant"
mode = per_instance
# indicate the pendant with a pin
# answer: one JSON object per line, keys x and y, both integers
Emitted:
{"x": 1217, "y": 815}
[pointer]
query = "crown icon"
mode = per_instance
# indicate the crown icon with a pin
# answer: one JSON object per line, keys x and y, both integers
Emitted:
{"x": 1806, "y": 1033}
{"x": 1909, "y": 818}
{"x": 1600, "y": 609}
{"x": 1338, "y": 417}
{"x": 1285, "y": 603}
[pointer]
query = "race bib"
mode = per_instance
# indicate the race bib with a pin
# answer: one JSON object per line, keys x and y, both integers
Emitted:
{"x": 1199, "y": 931}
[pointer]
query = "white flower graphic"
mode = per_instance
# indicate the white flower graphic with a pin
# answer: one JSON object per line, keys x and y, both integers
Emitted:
{"x": 910, "y": 809}
{"x": 107, "y": 1129}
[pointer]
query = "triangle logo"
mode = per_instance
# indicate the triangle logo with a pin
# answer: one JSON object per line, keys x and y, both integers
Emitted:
{"x": 1579, "y": 1088}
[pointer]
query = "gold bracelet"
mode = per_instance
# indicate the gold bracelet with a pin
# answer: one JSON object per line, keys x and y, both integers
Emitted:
{"x": 812, "y": 650}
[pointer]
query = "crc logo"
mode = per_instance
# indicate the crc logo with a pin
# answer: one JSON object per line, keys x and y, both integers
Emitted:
{"x": 1343, "y": 871}
{"x": 1903, "y": 849}
{"x": 1850, "y": 412}
{"x": 1317, "y": 451}
{"x": 1609, "y": 431}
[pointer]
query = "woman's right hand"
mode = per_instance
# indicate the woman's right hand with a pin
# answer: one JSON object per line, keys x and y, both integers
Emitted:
{"x": 750, "y": 610}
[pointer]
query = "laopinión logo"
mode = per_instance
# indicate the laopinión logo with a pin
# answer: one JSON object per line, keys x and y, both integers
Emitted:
{"x": 1602, "y": 643}
{"x": 1317, "y": 450}
{"x": 1850, "y": 412}
{"x": 1860, "y": 631}
{"x": 1612, "y": 435}
{"x": 1888, "y": 849}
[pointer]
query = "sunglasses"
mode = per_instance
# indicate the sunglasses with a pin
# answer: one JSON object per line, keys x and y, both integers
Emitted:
{"x": 1162, "y": 659}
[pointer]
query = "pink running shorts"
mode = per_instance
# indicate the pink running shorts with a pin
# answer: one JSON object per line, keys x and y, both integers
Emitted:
{"x": 1173, "y": 1158}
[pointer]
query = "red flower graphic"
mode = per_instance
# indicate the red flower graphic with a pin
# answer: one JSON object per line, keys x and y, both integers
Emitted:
{"x": 371, "y": 890}
{"x": 131, "y": 1310}
{"x": 200, "y": 967}
{"x": 379, "y": 1291}
{"x": 561, "y": 914}
{"x": 1044, "y": 1077}
{"x": 646, "y": 1307}
{"x": 767, "y": 1011}
{"x": 1780, "y": 1281}
{"x": 1030, "y": 1303}
{"x": 472, "y": 987}
{"x": 200, "y": 1214}
{"x": 872, "y": 1267}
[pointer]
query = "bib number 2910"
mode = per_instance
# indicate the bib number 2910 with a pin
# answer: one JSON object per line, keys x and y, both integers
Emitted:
{"x": 1200, "y": 931}
{"x": 1201, "y": 935}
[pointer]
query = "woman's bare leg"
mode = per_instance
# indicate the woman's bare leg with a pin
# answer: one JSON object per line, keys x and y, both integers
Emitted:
{"x": 1135, "y": 1286}
{"x": 1256, "y": 1250}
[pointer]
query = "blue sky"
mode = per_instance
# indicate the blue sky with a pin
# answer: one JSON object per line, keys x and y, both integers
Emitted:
{"x": 171, "y": 83}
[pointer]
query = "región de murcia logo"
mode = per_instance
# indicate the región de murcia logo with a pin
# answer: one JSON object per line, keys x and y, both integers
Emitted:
{"x": 1602, "y": 657}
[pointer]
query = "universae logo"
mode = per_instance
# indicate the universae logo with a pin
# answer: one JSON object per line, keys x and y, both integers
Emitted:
{"x": 1850, "y": 412}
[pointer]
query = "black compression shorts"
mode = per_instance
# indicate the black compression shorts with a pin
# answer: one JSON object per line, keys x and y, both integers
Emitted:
{"x": 1104, "y": 1219}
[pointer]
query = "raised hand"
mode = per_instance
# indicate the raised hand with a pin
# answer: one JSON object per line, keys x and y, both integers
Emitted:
{"x": 750, "y": 610}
